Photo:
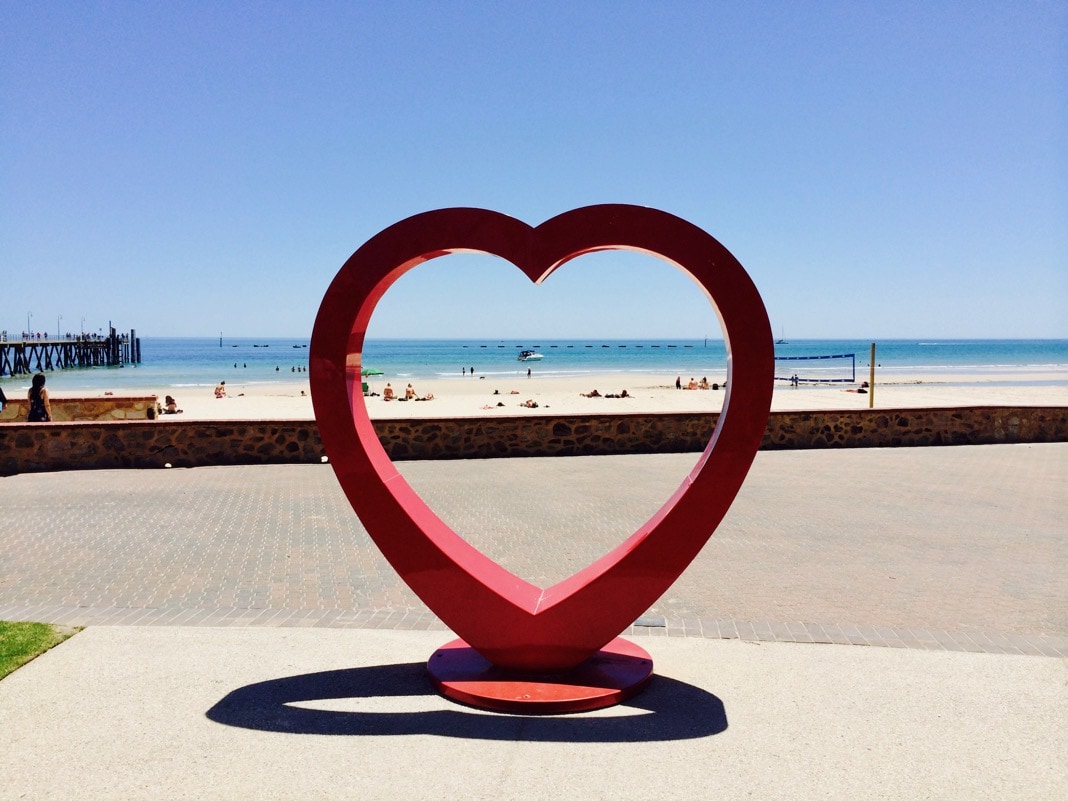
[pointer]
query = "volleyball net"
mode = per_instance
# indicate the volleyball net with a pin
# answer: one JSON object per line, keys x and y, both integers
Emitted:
{"x": 840, "y": 368}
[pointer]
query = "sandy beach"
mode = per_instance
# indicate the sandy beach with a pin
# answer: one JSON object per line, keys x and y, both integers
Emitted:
{"x": 478, "y": 397}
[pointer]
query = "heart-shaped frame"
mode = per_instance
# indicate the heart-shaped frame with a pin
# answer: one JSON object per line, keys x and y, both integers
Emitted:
{"x": 516, "y": 625}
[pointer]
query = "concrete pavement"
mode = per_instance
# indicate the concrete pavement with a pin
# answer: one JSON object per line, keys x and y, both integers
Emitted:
{"x": 286, "y": 661}
{"x": 262, "y": 713}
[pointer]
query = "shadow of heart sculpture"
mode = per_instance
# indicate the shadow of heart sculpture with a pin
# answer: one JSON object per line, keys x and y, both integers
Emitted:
{"x": 513, "y": 624}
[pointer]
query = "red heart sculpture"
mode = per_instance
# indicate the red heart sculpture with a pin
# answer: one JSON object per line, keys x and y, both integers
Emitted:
{"x": 512, "y": 623}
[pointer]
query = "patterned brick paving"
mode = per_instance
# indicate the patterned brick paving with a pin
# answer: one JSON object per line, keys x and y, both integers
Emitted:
{"x": 957, "y": 548}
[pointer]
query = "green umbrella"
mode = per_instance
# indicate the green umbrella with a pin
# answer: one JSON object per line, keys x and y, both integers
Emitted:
{"x": 372, "y": 371}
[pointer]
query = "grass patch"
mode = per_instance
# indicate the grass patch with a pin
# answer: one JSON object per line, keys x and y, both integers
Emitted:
{"x": 21, "y": 642}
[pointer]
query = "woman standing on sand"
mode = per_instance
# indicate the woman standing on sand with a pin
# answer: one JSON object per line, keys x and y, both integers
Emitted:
{"x": 40, "y": 408}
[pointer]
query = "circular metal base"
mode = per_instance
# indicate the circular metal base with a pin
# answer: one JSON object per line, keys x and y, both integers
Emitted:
{"x": 615, "y": 673}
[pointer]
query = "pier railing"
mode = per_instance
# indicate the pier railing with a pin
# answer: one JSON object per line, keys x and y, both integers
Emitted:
{"x": 31, "y": 355}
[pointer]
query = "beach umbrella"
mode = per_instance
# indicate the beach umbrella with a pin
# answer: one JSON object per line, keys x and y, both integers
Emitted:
{"x": 372, "y": 371}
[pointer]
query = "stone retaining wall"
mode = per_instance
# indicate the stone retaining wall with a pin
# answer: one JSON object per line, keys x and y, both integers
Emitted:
{"x": 118, "y": 407}
{"x": 35, "y": 447}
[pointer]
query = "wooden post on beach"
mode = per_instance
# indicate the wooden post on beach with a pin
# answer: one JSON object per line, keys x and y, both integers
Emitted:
{"x": 871, "y": 379}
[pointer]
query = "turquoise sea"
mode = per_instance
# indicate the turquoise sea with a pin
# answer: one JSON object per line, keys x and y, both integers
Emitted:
{"x": 192, "y": 362}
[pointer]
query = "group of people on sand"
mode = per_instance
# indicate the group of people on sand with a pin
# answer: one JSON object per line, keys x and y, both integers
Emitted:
{"x": 694, "y": 384}
{"x": 220, "y": 391}
{"x": 169, "y": 406}
{"x": 409, "y": 394}
{"x": 529, "y": 403}
{"x": 596, "y": 394}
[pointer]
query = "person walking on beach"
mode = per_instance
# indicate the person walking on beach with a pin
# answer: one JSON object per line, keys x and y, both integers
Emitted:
{"x": 40, "y": 408}
{"x": 678, "y": 382}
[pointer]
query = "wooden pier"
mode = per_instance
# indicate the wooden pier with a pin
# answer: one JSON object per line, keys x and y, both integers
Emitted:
{"x": 25, "y": 356}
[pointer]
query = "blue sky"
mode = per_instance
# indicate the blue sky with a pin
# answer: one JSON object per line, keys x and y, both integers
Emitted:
{"x": 894, "y": 170}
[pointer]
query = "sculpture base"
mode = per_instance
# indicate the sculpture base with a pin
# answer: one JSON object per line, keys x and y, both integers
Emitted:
{"x": 615, "y": 673}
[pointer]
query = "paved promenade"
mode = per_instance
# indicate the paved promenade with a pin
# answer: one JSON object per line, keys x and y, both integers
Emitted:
{"x": 939, "y": 548}
{"x": 245, "y": 641}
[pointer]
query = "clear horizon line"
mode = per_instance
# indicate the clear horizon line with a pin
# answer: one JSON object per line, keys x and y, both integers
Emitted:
{"x": 788, "y": 340}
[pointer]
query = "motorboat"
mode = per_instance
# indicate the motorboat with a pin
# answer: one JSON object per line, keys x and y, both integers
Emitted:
{"x": 529, "y": 356}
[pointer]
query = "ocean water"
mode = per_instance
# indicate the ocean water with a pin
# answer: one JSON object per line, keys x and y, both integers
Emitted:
{"x": 176, "y": 363}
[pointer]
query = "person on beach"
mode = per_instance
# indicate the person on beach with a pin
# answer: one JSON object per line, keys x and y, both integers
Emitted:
{"x": 704, "y": 383}
{"x": 220, "y": 390}
{"x": 593, "y": 394}
{"x": 40, "y": 408}
{"x": 387, "y": 393}
{"x": 678, "y": 382}
{"x": 692, "y": 384}
{"x": 170, "y": 406}
{"x": 409, "y": 393}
